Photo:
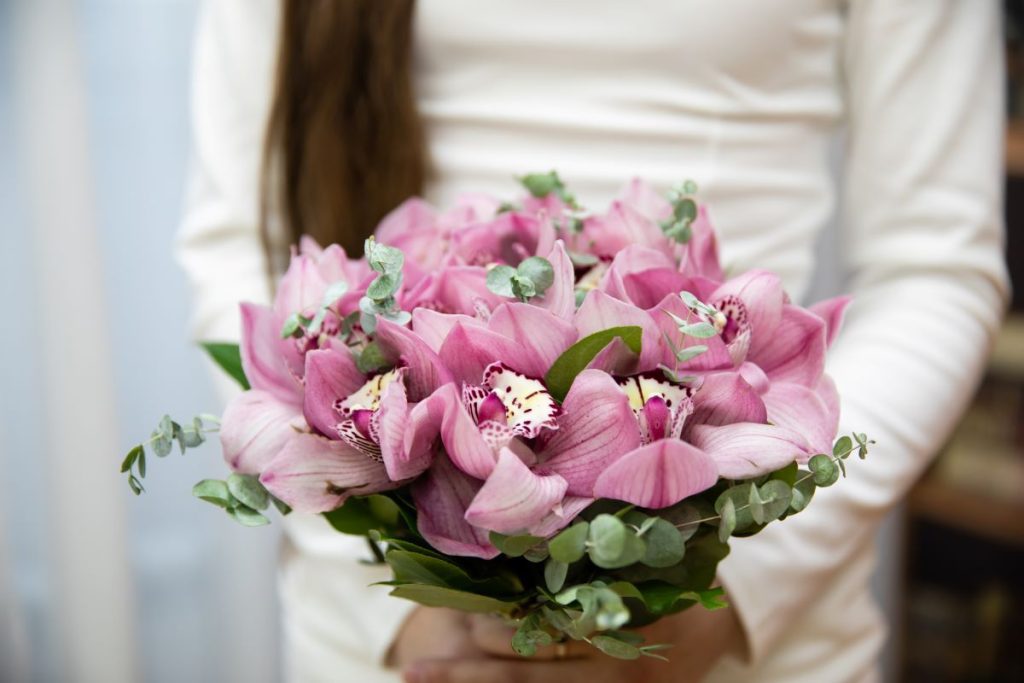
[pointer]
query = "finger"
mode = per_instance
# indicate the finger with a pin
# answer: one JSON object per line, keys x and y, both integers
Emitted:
{"x": 497, "y": 671}
{"x": 494, "y": 637}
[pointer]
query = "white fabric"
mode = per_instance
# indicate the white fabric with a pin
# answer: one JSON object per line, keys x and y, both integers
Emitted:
{"x": 744, "y": 97}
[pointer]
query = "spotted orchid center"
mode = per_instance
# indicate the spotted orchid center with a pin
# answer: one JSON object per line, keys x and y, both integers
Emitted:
{"x": 508, "y": 404}
{"x": 359, "y": 426}
{"x": 660, "y": 407}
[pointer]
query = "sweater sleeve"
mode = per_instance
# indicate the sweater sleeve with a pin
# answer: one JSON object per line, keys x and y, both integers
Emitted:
{"x": 219, "y": 248}
{"x": 922, "y": 242}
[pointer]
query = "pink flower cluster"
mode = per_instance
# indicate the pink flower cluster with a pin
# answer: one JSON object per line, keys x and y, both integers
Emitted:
{"x": 729, "y": 381}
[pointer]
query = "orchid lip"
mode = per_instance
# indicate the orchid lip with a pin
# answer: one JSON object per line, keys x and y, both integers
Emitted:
{"x": 359, "y": 426}
{"x": 660, "y": 407}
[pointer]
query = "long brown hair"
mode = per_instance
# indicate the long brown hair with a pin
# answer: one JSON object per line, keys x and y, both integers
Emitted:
{"x": 344, "y": 140}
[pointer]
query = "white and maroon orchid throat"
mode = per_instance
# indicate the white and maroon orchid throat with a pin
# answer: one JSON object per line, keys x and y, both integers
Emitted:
{"x": 359, "y": 426}
{"x": 510, "y": 403}
{"x": 660, "y": 407}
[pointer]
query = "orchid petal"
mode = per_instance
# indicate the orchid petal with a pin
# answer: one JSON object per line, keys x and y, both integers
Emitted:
{"x": 797, "y": 350}
{"x": 543, "y": 335}
{"x": 745, "y": 450}
{"x": 762, "y": 297}
{"x": 724, "y": 398}
{"x": 560, "y": 298}
{"x": 622, "y": 226}
{"x": 597, "y": 426}
{"x": 646, "y": 200}
{"x": 658, "y": 475}
{"x": 802, "y": 410}
{"x": 314, "y": 474}
{"x": 514, "y": 498}
{"x": 266, "y": 358}
{"x": 433, "y": 327}
{"x": 468, "y": 349}
{"x": 301, "y": 289}
{"x": 466, "y": 447}
{"x": 832, "y": 311}
{"x": 701, "y": 254}
{"x": 561, "y": 516}
{"x": 441, "y": 497}
{"x": 755, "y": 377}
{"x": 632, "y": 259}
{"x": 426, "y": 372}
{"x": 599, "y": 312}
{"x": 393, "y": 417}
{"x": 254, "y": 428}
{"x": 331, "y": 374}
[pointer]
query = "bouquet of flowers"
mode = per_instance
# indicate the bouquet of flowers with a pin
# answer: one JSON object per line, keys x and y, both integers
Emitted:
{"x": 531, "y": 410}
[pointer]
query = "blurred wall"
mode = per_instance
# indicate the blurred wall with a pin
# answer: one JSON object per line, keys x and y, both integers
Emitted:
{"x": 101, "y": 586}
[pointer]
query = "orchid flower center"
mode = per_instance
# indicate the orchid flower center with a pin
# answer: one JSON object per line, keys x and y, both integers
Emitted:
{"x": 508, "y": 404}
{"x": 660, "y": 407}
{"x": 733, "y": 323}
{"x": 359, "y": 426}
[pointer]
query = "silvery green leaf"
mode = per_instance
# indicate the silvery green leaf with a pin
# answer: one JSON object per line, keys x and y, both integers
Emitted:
{"x": 678, "y": 231}
{"x": 213, "y": 491}
{"x": 161, "y": 444}
{"x": 248, "y": 489}
{"x": 739, "y": 495}
{"x": 384, "y": 286}
{"x": 665, "y": 545}
{"x": 536, "y": 554}
{"x": 803, "y": 491}
{"x": 529, "y": 636}
{"x": 558, "y": 619}
{"x": 135, "y": 485}
{"x": 607, "y": 537}
{"x": 580, "y": 295}
{"x": 690, "y": 352}
{"x": 689, "y": 187}
{"x": 613, "y": 647}
{"x": 571, "y": 544}
{"x": 583, "y": 260}
{"x": 685, "y": 518}
{"x": 292, "y": 326}
{"x": 690, "y": 300}
{"x": 192, "y": 438}
{"x": 843, "y": 446}
{"x": 776, "y": 495}
{"x": 141, "y": 464}
{"x": 398, "y": 317}
{"x": 541, "y": 184}
{"x": 382, "y": 258}
{"x": 368, "y": 321}
{"x": 539, "y": 271}
{"x": 685, "y": 209}
{"x": 513, "y": 546}
{"x": 523, "y": 288}
{"x": 369, "y": 306}
{"x": 554, "y": 574}
{"x": 499, "y": 280}
{"x": 246, "y": 516}
{"x": 612, "y": 613}
{"x": 701, "y": 330}
{"x": 166, "y": 427}
{"x": 824, "y": 469}
{"x": 755, "y": 505}
{"x": 727, "y": 524}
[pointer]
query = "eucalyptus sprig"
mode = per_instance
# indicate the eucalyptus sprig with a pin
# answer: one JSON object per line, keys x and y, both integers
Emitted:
{"x": 532, "y": 277}
{"x": 541, "y": 185}
{"x": 379, "y": 299}
{"x": 710, "y": 322}
{"x": 684, "y": 212}
{"x": 162, "y": 440}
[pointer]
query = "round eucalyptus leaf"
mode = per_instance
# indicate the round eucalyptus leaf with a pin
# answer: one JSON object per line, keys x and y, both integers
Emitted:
{"x": 246, "y": 516}
{"x": 727, "y": 525}
{"x": 213, "y": 491}
{"x": 613, "y": 647}
{"x": 776, "y": 496}
{"x": 499, "y": 280}
{"x": 665, "y": 546}
{"x": 571, "y": 544}
{"x": 554, "y": 574}
{"x": 248, "y": 489}
{"x": 824, "y": 470}
{"x": 539, "y": 270}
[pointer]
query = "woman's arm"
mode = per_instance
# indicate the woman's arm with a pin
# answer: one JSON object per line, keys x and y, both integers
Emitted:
{"x": 922, "y": 237}
{"x": 218, "y": 244}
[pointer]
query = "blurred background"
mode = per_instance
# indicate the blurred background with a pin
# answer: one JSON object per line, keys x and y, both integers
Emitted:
{"x": 98, "y": 586}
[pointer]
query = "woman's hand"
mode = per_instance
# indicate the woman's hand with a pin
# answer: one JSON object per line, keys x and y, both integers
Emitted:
{"x": 698, "y": 638}
{"x": 431, "y": 633}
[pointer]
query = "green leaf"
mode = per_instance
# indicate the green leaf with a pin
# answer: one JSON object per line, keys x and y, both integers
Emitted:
{"x": 528, "y": 637}
{"x": 690, "y": 352}
{"x": 824, "y": 469}
{"x": 740, "y": 496}
{"x": 281, "y": 506}
{"x": 141, "y": 463}
{"x": 513, "y": 546}
{"x": 787, "y": 474}
{"x": 664, "y": 544}
{"x": 576, "y": 358}
{"x": 228, "y": 357}
{"x": 135, "y": 485}
{"x": 571, "y": 544}
{"x": 248, "y": 489}
{"x": 246, "y": 516}
{"x": 292, "y": 326}
{"x": 130, "y": 459}
{"x": 355, "y": 516}
{"x": 541, "y": 184}
{"x": 161, "y": 443}
{"x": 384, "y": 286}
{"x": 382, "y": 258}
{"x": 213, "y": 491}
{"x": 437, "y": 596}
{"x": 554, "y": 574}
{"x": 776, "y": 496}
{"x": 842, "y": 447}
{"x": 727, "y": 524}
{"x": 612, "y": 544}
{"x": 539, "y": 271}
{"x": 803, "y": 491}
{"x": 418, "y": 568}
{"x": 685, "y": 210}
{"x": 372, "y": 359}
{"x": 710, "y": 599}
{"x": 613, "y": 647}
{"x": 754, "y": 504}
{"x": 523, "y": 287}
{"x": 499, "y": 280}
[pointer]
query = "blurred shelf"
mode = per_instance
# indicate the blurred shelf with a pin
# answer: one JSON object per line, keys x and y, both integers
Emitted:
{"x": 989, "y": 517}
{"x": 1015, "y": 148}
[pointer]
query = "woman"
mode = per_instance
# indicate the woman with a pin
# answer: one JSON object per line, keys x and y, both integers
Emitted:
{"x": 744, "y": 97}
